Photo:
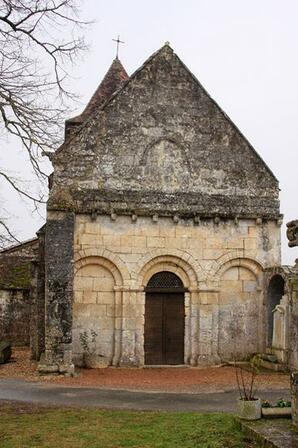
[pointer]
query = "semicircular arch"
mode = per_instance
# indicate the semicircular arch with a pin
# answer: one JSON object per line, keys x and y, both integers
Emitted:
{"x": 172, "y": 263}
{"x": 248, "y": 263}
{"x": 174, "y": 258}
{"x": 104, "y": 259}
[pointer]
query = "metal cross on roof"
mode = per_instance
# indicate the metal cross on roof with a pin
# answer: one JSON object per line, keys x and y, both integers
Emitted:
{"x": 118, "y": 42}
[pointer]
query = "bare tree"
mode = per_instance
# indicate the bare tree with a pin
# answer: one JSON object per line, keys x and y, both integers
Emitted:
{"x": 38, "y": 40}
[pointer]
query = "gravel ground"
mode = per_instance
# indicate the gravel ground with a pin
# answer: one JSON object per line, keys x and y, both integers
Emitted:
{"x": 180, "y": 379}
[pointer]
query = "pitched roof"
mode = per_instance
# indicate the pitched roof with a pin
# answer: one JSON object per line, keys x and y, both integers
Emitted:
{"x": 167, "y": 48}
{"x": 113, "y": 81}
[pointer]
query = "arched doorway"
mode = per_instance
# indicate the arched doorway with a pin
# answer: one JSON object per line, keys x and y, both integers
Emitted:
{"x": 275, "y": 292}
{"x": 164, "y": 320}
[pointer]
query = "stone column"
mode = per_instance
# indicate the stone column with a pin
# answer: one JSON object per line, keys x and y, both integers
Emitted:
{"x": 187, "y": 329}
{"x": 131, "y": 326}
{"x": 117, "y": 326}
{"x": 294, "y": 397}
{"x": 193, "y": 332}
{"x": 208, "y": 323}
{"x": 58, "y": 293}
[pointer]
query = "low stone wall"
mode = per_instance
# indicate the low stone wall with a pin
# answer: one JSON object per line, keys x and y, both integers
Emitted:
{"x": 15, "y": 316}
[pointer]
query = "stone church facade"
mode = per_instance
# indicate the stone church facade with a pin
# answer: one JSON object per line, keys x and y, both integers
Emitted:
{"x": 161, "y": 222}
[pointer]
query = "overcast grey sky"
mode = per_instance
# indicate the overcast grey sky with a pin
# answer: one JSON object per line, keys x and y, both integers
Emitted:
{"x": 245, "y": 53}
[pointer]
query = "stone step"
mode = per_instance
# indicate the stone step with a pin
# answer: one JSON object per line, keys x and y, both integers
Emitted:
{"x": 275, "y": 366}
{"x": 269, "y": 357}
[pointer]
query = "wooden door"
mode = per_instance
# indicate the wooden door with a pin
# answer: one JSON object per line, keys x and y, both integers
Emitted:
{"x": 164, "y": 328}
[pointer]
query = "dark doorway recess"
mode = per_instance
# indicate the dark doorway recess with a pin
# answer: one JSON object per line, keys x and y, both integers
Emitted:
{"x": 164, "y": 320}
{"x": 276, "y": 290}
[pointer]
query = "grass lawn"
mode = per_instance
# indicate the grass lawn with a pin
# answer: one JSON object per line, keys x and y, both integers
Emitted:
{"x": 23, "y": 426}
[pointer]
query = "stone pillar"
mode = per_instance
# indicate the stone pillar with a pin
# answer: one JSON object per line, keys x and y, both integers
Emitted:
{"x": 58, "y": 293}
{"x": 294, "y": 397}
{"x": 292, "y": 234}
{"x": 131, "y": 327}
{"x": 208, "y": 324}
{"x": 193, "y": 331}
{"x": 37, "y": 312}
{"x": 187, "y": 328}
{"x": 117, "y": 326}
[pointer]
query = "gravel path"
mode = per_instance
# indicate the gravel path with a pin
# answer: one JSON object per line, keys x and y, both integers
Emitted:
{"x": 176, "y": 379}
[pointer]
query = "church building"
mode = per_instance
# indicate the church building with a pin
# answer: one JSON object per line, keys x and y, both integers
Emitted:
{"x": 161, "y": 222}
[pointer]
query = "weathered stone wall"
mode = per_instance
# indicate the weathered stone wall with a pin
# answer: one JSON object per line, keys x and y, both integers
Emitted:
{"x": 286, "y": 349}
{"x": 240, "y": 314}
{"x": 162, "y": 145}
{"x": 37, "y": 321}
{"x": 58, "y": 290}
{"x": 94, "y": 311}
{"x": 293, "y": 323}
{"x": 15, "y": 316}
{"x": 220, "y": 263}
{"x": 15, "y": 284}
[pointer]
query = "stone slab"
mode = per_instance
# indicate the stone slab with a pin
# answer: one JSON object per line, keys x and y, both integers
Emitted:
{"x": 272, "y": 433}
{"x": 5, "y": 352}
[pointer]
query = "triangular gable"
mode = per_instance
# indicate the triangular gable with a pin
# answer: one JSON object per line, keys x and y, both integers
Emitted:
{"x": 162, "y": 133}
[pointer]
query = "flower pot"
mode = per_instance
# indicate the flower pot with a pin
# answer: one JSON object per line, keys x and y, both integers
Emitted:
{"x": 249, "y": 409}
{"x": 275, "y": 412}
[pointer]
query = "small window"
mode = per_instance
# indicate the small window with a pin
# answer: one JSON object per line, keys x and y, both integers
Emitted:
{"x": 165, "y": 280}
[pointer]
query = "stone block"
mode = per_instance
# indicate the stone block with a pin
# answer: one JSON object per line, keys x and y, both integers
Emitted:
{"x": 89, "y": 297}
{"x": 92, "y": 228}
{"x": 294, "y": 396}
{"x": 185, "y": 242}
{"x": 246, "y": 274}
{"x": 86, "y": 313}
{"x": 5, "y": 352}
{"x": 102, "y": 284}
{"x": 83, "y": 283}
{"x": 212, "y": 298}
{"x": 78, "y": 296}
{"x": 147, "y": 231}
{"x": 89, "y": 240}
{"x": 226, "y": 298}
{"x": 124, "y": 250}
{"x": 111, "y": 240}
{"x": 111, "y": 311}
{"x": 212, "y": 254}
{"x": 249, "y": 286}
{"x": 235, "y": 243}
{"x": 167, "y": 231}
{"x": 204, "y": 298}
{"x": 90, "y": 270}
{"x": 106, "y": 297}
{"x": 155, "y": 241}
{"x": 213, "y": 243}
{"x": 231, "y": 286}
{"x": 126, "y": 240}
{"x": 250, "y": 243}
{"x": 252, "y": 231}
{"x": 172, "y": 242}
{"x": 231, "y": 274}
{"x": 139, "y": 241}
{"x": 182, "y": 231}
